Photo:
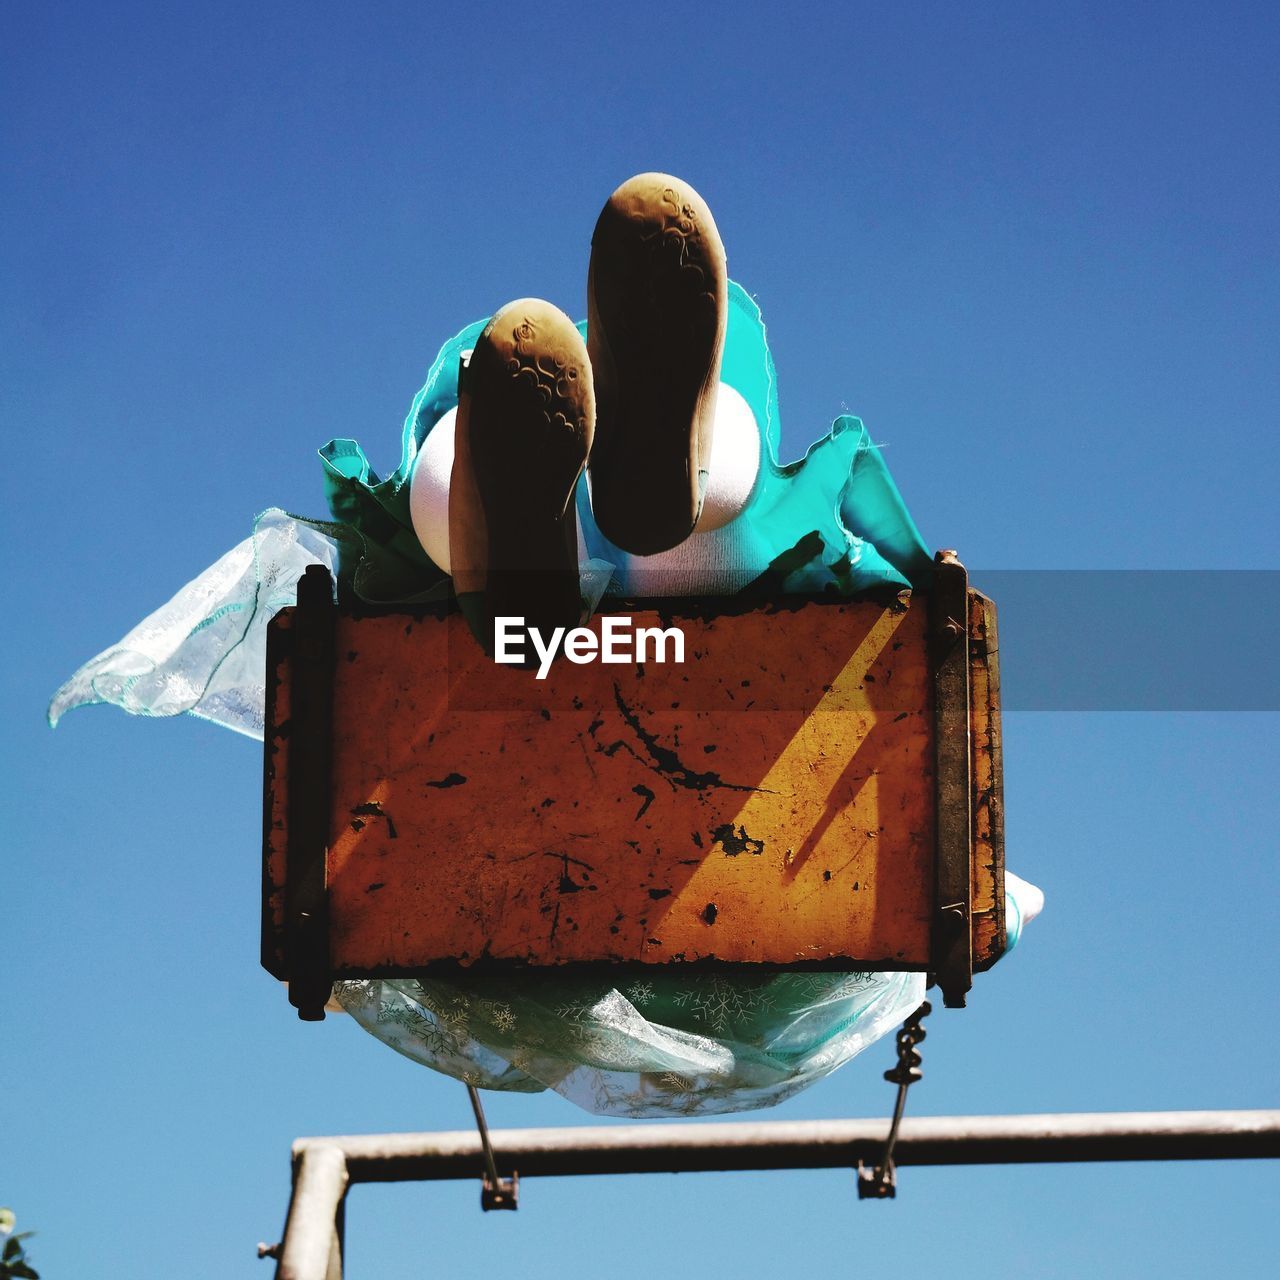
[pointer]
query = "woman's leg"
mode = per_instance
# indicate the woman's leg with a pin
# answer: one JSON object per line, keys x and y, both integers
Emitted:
{"x": 734, "y": 467}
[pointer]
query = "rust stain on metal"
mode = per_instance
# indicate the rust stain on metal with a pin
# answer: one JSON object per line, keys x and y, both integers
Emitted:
{"x": 735, "y": 842}
{"x": 373, "y": 809}
{"x": 449, "y": 780}
{"x": 988, "y": 784}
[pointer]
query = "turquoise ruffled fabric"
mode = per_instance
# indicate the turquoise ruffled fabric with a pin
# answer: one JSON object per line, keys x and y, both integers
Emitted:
{"x": 833, "y": 521}
{"x": 666, "y": 1043}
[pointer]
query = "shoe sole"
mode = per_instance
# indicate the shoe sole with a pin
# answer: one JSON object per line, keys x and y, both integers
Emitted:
{"x": 657, "y": 308}
{"x": 526, "y": 418}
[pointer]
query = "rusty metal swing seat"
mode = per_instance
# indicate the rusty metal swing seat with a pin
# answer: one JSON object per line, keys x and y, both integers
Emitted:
{"x": 817, "y": 786}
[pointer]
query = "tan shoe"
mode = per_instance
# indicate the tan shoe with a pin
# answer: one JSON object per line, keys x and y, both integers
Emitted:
{"x": 526, "y": 417}
{"x": 657, "y": 307}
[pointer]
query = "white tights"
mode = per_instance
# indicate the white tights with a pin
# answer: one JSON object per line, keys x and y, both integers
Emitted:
{"x": 736, "y": 453}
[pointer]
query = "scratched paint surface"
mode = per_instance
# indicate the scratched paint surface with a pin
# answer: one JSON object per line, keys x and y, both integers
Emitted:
{"x": 769, "y": 801}
{"x": 988, "y": 784}
{"x": 275, "y": 836}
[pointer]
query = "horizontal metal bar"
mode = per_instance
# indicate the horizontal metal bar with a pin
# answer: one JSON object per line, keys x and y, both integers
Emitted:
{"x": 815, "y": 1144}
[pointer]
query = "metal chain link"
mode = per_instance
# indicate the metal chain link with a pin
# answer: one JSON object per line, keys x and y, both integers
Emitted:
{"x": 880, "y": 1183}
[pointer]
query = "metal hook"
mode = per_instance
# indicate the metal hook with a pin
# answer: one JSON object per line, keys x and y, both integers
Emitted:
{"x": 881, "y": 1182}
{"x": 495, "y": 1192}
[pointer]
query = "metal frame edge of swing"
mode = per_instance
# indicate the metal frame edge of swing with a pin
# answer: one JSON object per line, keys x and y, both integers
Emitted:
{"x": 324, "y": 1169}
{"x": 309, "y": 649}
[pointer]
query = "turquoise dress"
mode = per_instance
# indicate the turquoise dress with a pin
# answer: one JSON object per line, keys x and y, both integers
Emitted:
{"x": 660, "y": 1044}
{"x": 833, "y": 521}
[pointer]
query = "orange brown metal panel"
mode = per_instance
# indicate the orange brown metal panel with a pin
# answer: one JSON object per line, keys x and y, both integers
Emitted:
{"x": 768, "y": 802}
{"x": 952, "y": 949}
{"x": 772, "y": 801}
{"x": 988, "y": 784}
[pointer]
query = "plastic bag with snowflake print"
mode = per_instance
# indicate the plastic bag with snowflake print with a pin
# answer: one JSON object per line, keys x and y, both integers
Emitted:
{"x": 655, "y": 1044}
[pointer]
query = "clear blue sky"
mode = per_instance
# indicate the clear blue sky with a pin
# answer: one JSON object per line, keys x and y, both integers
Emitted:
{"x": 1033, "y": 246}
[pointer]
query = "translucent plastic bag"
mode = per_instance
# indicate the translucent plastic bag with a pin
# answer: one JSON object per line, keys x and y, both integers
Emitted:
{"x": 686, "y": 1043}
{"x": 206, "y": 650}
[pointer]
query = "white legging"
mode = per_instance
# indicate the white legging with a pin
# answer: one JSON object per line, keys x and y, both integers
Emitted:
{"x": 698, "y": 563}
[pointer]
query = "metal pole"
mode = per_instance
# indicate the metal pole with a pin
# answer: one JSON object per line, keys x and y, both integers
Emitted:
{"x": 312, "y": 1246}
{"x": 817, "y": 1144}
{"x": 482, "y": 1128}
{"x": 495, "y": 1192}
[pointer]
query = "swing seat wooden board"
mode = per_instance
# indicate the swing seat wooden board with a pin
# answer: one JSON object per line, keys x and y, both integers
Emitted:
{"x": 771, "y": 800}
